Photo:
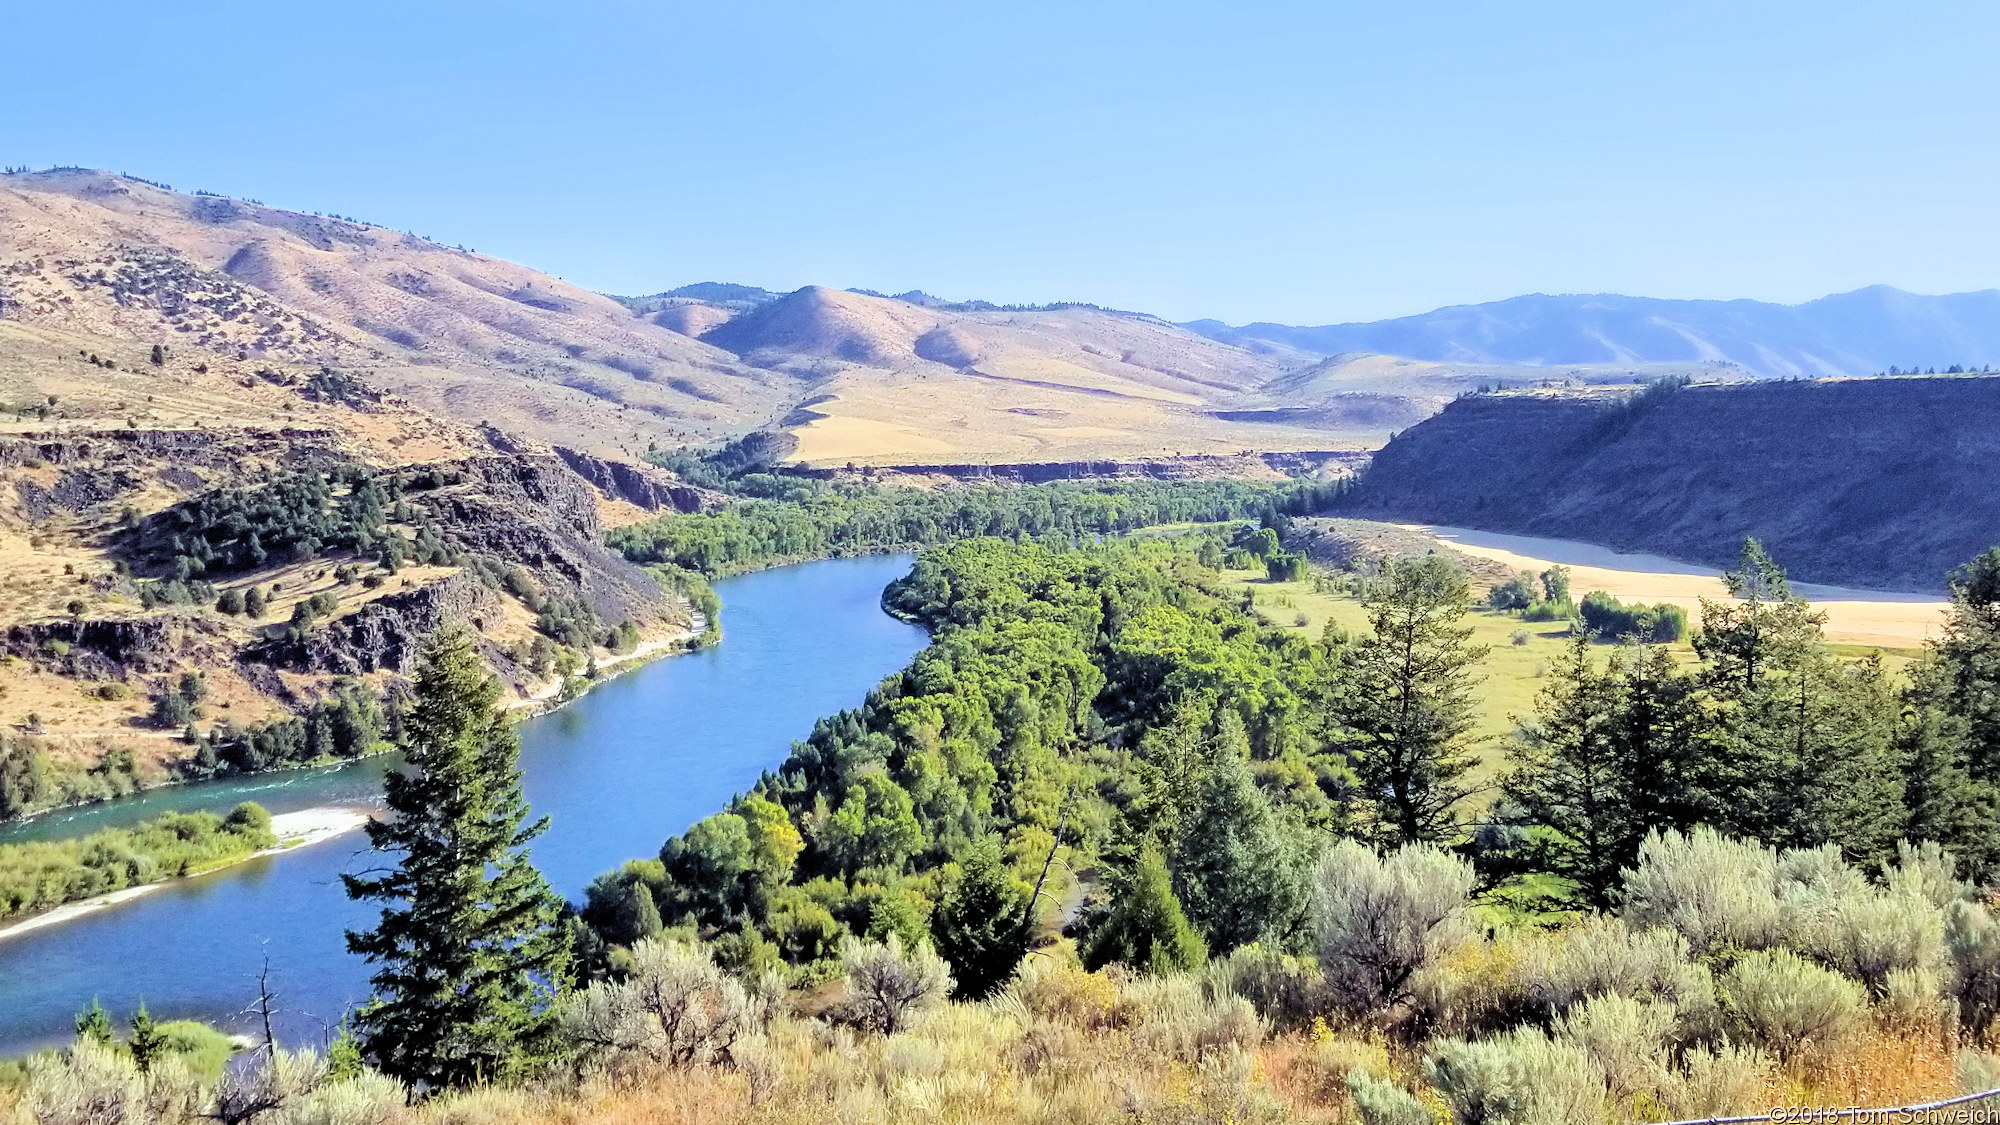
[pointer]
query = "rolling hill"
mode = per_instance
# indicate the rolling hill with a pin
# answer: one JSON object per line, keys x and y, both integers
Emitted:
{"x": 1859, "y": 333}
{"x": 460, "y": 334}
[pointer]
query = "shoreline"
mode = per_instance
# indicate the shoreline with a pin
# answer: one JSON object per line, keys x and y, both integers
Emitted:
{"x": 294, "y": 830}
{"x": 676, "y": 645}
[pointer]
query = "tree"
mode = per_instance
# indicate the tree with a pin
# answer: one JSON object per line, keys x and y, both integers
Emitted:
{"x": 1739, "y": 641}
{"x": 148, "y": 1042}
{"x": 1805, "y": 741}
{"x": 159, "y": 355}
{"x": 1401, "y": 700}
{"x": 95, "y": 1024}
{"x": 1566, "y": 774}
{"x": 1951, "y": 733}
{"x": 254, "y": 602}
{"x": 469, "y": 945}
{"x": 1237, "y": 871}
{"x": 981, "y": 924}
{"x": 1555, "y": 585}
{"x": 1146, "y": 927}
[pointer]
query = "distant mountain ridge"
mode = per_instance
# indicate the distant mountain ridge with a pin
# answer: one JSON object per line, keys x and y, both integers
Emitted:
{"x": 1863, "y": 332}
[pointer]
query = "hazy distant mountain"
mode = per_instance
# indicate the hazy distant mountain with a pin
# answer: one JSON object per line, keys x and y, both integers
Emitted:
{"x": 1859, "y": 333}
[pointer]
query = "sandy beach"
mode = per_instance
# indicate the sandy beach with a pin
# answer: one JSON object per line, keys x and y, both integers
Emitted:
{"x": 294, "y": 830}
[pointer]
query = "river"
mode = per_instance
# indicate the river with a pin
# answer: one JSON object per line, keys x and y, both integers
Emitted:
{"x": 634, "y": 761}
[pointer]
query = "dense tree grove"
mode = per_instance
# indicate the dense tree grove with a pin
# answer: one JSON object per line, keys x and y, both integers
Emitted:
{"x": 294, "y": 515}
{"x": 783, "y": 517}
{"x": 40, "y": 874}
{"x": 1110, "y": 701}
{"x": 1107, "y": 693}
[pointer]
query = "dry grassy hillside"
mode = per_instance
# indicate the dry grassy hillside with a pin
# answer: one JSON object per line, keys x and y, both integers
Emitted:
{"x": 96, "y": 437}
{"x": 899, "y": 382}
{"x": 460, "y": 334}
{"x": 855, "y": 377}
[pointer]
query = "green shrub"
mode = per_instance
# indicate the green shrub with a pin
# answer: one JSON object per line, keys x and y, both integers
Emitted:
{"x": 1972, "y": 937}
{"x": 1611, "y": 619}
{"x": 1599, "y": 955}
{"x": 889, "y": 989}
{"x": 1378, "y": 1101}
{"x": 1288, "y": 991}
{"x": 1382, "y": 920}
{"x": 1785, "y": 1003}
{"x": 38, "y": 875}
{"x": 1712, "y": 890}
{"x": 1521, "y": 1078}
{"x": 1716, "y": 1081}
{"x": 1627, "y": 1039}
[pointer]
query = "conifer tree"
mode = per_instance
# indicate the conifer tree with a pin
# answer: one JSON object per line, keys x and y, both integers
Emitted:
{"x": 1806, "y": 737}
{"x": 1951, "y": 733}
{"x": 1567, "y": 775}
{"x": 1401, "y": 702}
{"x": 981, "y": 925}
{"x": 468, "y": 947}
{"x": 1146, "y": 927}
{"x": 1238, "y": 872}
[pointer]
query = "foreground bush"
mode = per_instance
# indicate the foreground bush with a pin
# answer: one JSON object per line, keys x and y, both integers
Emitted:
{"x": 674, "y": 1008}
{"x": 1385, "y": 919}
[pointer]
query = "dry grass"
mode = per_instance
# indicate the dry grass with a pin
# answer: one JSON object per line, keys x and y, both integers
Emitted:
{"x": 1899, "y": 623}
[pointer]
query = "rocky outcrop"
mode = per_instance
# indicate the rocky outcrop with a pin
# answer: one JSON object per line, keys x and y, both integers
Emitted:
{"x": 386, "y": 634}
{"x": 536, "y": 513}
{"x": 113, "y": 648}
{"x": 648, "y": 488}
{"x": 1887, "y": 483}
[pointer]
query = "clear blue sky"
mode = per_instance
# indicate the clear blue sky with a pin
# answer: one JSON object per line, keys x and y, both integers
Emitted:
{"x": 1306, "y": 163}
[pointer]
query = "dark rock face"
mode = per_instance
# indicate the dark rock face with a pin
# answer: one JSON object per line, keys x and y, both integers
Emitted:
{"x": 387, "y": 633}
{"x": 113, "y": 648}
{"x": 1887, "y": 483}
{"x": 648, "y": 488}
{"x": 103, "y": 468}
{"x": 527, "y": 511}
{"x": 535, "y": 512}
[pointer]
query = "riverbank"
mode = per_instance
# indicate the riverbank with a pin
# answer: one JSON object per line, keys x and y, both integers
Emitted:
{"x": 548, "y": 696}
{"x": 293, "y": 830}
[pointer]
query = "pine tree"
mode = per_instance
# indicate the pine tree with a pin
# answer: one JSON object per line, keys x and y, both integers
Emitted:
{"x": 1146, "y": 927}
{"x": 1237, "y": 871}
{"x": 981, "y": 924}
{"x": 1401, "y": 702}
{"x": 1568, "y": 778}
{"x": 147, "y": 1041}
{"x": 1950, "y": 739}
{"x": 1659, "y": 735}
{"x": 469, "y": 946}
{"x": 1808, "y": 739}
{"x": 95, "y": 1024}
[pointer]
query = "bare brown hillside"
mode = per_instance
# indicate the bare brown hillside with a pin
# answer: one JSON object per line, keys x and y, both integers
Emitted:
{"x": 855, "y": 377}
{"x": 457, "y": 333}
{"x": 900, "y": 382}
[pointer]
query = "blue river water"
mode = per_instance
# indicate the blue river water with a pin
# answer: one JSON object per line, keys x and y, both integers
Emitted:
{"x": 634, "y": 761}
